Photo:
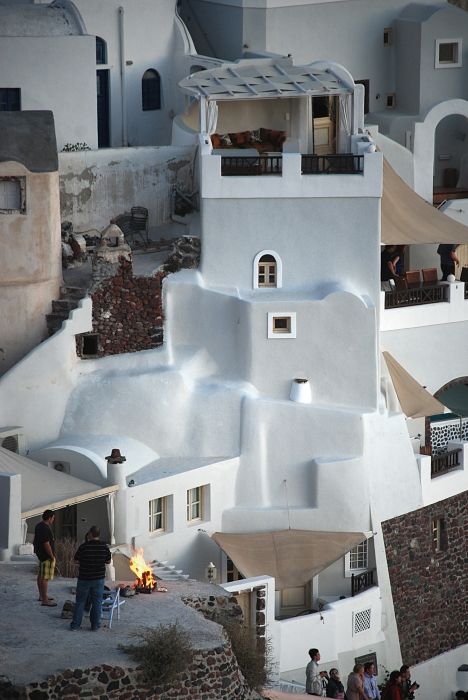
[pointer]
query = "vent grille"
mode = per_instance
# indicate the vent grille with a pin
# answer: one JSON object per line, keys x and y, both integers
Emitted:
{"x": 11, "y": 443}
{"x": 362, "y": 620}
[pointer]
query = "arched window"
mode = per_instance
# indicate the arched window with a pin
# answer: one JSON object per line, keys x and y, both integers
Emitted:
{"x": 101, "y": 51}
{"x": 267, "y": 270}
{"x": 151, "y": 90}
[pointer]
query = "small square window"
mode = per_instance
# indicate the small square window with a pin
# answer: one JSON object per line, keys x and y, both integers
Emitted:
{"x": 157, "y": 514}
{"x": 390, "y": 101}
{"x": 10, "y": 99}
{"x": 388, "y": 36}
{"x": 448, "y": 53}
{"x": 281, "y": 325}
{"x": 90, "y": 347}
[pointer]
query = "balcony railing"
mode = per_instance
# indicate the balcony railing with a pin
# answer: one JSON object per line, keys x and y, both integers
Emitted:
{"x": 445, "y": 462}
{"x": 251, "y": 165}
{"x": 359, "y": 582}
{"x": 263, "y": 164}
{"x": 334, "y": 164}
{"x": 415, "y": 296}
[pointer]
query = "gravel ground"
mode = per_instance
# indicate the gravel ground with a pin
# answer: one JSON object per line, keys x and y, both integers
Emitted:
{"x": 35, "y": 642}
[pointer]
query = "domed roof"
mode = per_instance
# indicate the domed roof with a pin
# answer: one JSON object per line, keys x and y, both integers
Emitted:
{"x": 60, "y": 18}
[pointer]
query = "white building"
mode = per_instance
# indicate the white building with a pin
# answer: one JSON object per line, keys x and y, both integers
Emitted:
{"x": 268, "y": 416}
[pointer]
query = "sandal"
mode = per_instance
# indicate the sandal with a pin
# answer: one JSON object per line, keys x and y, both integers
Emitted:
{"x": 49, "y": 599}
{"x": 50, "y": 604}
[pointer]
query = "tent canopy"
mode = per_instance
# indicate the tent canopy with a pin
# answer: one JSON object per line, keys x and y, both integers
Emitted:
{"x": 407, "y": 218}
{"x": 43, "y": 487}
{"x": 456, "y": 399}
{"x": 293, "y": 557}
{"x": 414, "y": 400}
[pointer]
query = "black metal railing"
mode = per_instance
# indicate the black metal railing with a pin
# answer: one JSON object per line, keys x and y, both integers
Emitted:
{"x": 333, "y": 164}
{"x": 252, "y": 165}
{"x": 415, "y": 296}
{"x": 359, "y": 582}
{"x": 445, "y": 462}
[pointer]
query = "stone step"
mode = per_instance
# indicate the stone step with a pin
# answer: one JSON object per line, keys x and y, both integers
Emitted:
{"x": 63, "y": 305}
{"x": 72, "y": 292}
{"x": 55, "y": 320}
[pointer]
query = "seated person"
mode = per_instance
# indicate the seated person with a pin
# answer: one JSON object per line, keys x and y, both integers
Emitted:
{"x": 388, "y": 260}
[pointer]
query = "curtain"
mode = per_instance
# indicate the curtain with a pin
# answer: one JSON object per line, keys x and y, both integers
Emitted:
{"x": 111, "y": 516}
{"x": 211, "y": 116}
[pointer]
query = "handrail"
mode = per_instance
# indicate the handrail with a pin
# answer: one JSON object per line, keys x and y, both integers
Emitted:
{"x": 252, "y": 165}
{"x": 445, "y": 462}
{"x": 332, "y": 164}
{"x": 359, "y": 582}
{"x": 415, "y": 296}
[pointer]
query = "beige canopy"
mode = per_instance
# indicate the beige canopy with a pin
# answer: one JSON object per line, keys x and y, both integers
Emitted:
{"x": 408, "y": 218}
{"x": 414, "y": 400}
{"x": 42, "y": 487}
{"x": 293, "y": 557}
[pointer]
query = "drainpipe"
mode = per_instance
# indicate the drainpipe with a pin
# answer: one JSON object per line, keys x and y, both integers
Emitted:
{"x": 123, "y": 90}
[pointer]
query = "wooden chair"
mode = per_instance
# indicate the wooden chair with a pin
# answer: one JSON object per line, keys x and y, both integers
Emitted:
{"x": 400, "y": 283}
{"x": 412, "y": 277}
{"x": 429, "y": 275}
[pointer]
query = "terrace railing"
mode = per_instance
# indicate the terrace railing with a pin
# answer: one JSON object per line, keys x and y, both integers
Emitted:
{"x": 445, "y": 462}
{"x": 252, "y": 165}
{"x": 359, "y": 582}
{"x": 335, "y": 164}
{"x": 415, "y": 296}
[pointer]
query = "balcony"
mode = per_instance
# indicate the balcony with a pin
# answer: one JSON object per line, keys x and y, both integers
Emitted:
{"x": 417, "y": 295}
{"x": 311, "y": 164}
{"x": 360, "y": 582}
{"x": 445, "y": 474}
{"x": 332, "y": 164}
{"x": 445, "y": 462}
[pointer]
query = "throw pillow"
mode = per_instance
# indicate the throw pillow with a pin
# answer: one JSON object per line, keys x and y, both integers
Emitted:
{"x": 225, "y": 140}
{"x": 215, "y": 141}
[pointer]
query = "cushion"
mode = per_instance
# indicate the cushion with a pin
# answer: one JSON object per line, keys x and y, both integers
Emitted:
{"x": 215, "y": 141}
{"x": 255, "y": 136}
{"x": 225, "y": 140}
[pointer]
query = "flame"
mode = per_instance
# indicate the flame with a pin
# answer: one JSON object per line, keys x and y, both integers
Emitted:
{"x": 142, "y": 570}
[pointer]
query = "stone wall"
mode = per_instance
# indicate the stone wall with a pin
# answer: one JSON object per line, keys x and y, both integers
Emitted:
{"x": 429, "y": 585}
{"x": 213, "y": 675}
{"x": 127, "y": 313}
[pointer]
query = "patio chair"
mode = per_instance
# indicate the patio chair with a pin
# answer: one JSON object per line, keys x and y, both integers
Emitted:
{"x": 412, "y": 277}
{"x": 139, "y": 223}
{"x": 110, "y": 604}
{"x": 429, "y": 275}
{"x": 400, "y": 284}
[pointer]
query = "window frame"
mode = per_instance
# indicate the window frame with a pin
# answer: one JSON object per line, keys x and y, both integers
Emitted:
{"x": 279, "y": 270}
{"x": 349, "y": 568}
{"x": 439, "y": 534}
{"x": 388, "y": 36}
{"x": 153, "y": 515}
{"x": 21, "y": 182}
{"x": 9, "y": 91}
{"x": 101, "y": 52}
{"x": 190, "y": 503}
{"x": 274, "y": 315}
{"x": 448, "y": 64}
{"x": 150, "y": 97}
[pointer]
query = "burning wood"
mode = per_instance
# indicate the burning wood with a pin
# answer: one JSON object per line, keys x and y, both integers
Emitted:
{"x": 146, "y": 582}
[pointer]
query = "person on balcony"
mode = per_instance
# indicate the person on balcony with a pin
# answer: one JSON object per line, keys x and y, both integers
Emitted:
{"x": 448, "y": 258}
{"x": 388, "y": 263}
{"x": 370, "y": 683}
{"x": 355, "y": 687}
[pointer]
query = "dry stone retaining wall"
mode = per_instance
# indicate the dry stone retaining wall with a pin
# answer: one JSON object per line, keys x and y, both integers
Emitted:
{"x": 213, "y": 675}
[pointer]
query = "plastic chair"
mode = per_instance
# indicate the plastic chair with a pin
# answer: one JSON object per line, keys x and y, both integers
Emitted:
{"x": 110, "y": 604}
{"x": 430, "y": 275}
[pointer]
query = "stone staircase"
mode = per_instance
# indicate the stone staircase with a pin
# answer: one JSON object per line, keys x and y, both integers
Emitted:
{"x": 167, "y": 572}
{"x": 69, "y": 299}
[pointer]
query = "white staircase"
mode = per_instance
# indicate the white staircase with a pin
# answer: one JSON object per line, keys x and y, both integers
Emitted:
{"x": 167, "y": 572}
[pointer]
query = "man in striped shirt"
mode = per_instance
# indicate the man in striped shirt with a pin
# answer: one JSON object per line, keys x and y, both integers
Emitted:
{"x": 92, "y": 555}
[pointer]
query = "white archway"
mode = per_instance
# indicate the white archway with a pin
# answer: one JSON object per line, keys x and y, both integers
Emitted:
{"x": 424, "y": 143}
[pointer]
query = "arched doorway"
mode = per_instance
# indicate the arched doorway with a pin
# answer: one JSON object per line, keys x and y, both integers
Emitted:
{"x": 451, "y": 158}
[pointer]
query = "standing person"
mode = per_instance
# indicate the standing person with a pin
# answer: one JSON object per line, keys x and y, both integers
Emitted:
{"x": 392, "y": 690}
{"x": 388, "y": 262}
{"x": 355, "y": 685}
{"x": 335, "y": 688}
{"x": 92, "y": 555}
{"x": 448, "y": 258}
{"x": 44, "y": 549}
{"x": 313, "y": 675}
{"x": 370, "y": 683}
{"x": 407, "y": 688}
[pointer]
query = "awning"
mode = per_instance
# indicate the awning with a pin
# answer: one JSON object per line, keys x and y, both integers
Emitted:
{"x": 414, "y": 400}
{"x": 293, "y": 557}
{"x": 407, "y": 218}
{"x": 456, "y": 399}
{"x": 43, "y": 487}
